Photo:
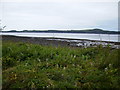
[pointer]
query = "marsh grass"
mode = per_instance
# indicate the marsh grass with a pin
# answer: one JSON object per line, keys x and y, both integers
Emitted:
{"x": 34, "y": 66}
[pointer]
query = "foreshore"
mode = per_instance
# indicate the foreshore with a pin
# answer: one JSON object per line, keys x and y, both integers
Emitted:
{"x": 82, "y": 43}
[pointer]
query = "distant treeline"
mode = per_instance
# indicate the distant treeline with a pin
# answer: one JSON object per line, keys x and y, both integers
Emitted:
{"x": 95, "y": 31}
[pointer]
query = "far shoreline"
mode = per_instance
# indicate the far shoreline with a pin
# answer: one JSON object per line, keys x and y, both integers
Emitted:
{"x": 63, "y": 32}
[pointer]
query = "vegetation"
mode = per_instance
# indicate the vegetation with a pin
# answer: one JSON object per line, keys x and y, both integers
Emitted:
{"x": 34, "y": 66}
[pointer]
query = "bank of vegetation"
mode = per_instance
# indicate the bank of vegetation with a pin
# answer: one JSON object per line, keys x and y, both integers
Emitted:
{"x": 28, "y": 65}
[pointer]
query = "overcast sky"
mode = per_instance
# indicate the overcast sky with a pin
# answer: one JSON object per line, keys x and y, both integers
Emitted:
{"x": 59, "y": 14}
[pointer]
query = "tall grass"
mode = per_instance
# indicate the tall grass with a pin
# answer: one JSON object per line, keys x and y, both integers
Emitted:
{"x": 34, "y": 66}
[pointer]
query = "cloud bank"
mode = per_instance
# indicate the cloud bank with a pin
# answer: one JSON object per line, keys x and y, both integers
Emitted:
{"x": 59, "y": 15}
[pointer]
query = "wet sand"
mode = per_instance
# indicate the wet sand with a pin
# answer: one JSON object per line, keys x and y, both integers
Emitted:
{"x": 63, "y": 42}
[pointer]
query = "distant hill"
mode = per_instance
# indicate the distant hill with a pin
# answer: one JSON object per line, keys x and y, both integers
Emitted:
{"x": 94, "y": 31}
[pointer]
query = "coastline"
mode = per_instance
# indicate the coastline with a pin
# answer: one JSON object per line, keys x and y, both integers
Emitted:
{"x": 63, "y": 42}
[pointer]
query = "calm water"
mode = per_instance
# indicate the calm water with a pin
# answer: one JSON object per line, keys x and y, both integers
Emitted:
{"x": 103, "y": 37}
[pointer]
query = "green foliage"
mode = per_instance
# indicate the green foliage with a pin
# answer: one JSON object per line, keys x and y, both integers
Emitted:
{"x": 33, "y": 66}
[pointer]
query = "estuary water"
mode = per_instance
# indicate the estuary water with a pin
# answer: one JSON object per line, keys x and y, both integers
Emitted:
{"x": 101, "y": 37}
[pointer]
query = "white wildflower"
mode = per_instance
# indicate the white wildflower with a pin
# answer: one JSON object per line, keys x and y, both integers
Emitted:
{"x": 38, "y": 59}
{"x": 47, "y": 64}
{"x": 73, "y": 65}
{"x": 46, "y": 59}
{"x": 74, "y": 56}
{"x": 64, "y": 68}
{"x": 110, "y": 65}
{"x": 106, "y": 69}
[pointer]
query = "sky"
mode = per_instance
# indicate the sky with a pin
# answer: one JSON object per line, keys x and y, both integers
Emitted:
{"x": 59, "y": 14}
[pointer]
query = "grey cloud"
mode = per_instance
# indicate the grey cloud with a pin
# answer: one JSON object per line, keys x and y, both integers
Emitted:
{"x": 59, "y": 15}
